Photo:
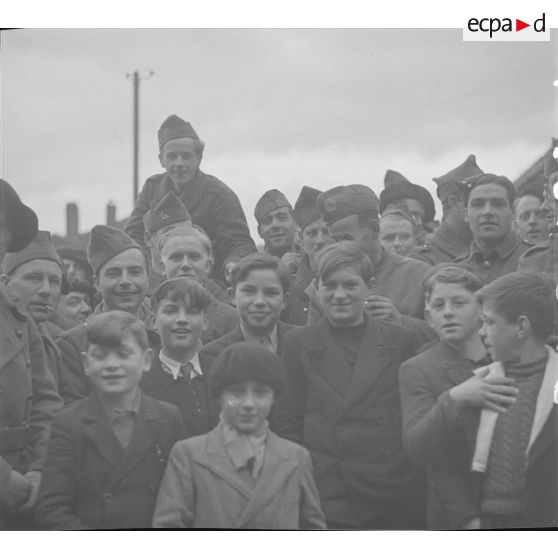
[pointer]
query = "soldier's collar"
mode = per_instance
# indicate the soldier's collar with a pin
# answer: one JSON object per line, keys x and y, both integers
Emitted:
{"x": 504, "y": 249}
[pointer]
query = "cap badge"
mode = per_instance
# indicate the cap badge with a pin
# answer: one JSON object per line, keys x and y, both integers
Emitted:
{"x": 330, "y": 205}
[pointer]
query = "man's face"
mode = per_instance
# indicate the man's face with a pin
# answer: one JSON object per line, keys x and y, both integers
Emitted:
{"x": 185, "y": 256}
{"x": 152, "y": 240}
{"x": 349, "y": 228}
{"x": 75, "y": 306}
{"x": 180, "y": 326}
{"x": 314, "y": 237}
{"x": 530, "y": 220}
{"x": 180, "y": 160}
{"x": 260, "y": 300}
{"x": 489, "y": 213}
{"x": 246, "y": 406}
{"x": 116, "y": 371}
{"x": 499, "y": 335}
{"x": 453, "y": 312}
{"x": 396, "y": 235}
{"x": 278, "y": 230}
{"x": 123, "y": 281}
{"x": 37, "y": 284}
{"x": 342, "y": 294}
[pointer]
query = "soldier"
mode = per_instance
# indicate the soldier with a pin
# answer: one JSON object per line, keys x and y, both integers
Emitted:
{"x": 529, "y": 220}
{"x": 495, "y": 249}
{"x": 398, "y": 190}
{"x": 34, "y": 276}
{"x": 453, "y": 237}
{"x": 395, "y": 292}
{"x": 397, "y": 231}
{"x": 543, "y": 258}
{"x": 313, "y": 237}
{"x": 121, "y": 277}
{"x": 276, "y": 224}
{"x": 211, "y": 203}
{"x": 75, "y": 264}
{"x": 28, "y": 398}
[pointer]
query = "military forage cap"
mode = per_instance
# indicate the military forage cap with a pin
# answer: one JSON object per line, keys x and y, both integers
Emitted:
{"x": 342, "y": 201}
{"x": 397, "y": 187}
{"x": 40, "y": 248}
{"x": 305, "y": 209}
{"x": 454, "y": 180}
{"x": 173, "y": 128}
{"x": 168, "y": 211}
{"x": 22, "y": 220}
{"x": 272, "y": 199}
{"x": 105, "y": 243}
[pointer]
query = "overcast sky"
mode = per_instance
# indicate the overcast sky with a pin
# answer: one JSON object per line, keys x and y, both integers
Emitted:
{"x": 276, "y": 108}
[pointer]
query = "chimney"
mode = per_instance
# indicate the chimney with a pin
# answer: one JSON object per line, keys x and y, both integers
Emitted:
{"x": 72, "y": 221}
{"x": 111, "y": 214}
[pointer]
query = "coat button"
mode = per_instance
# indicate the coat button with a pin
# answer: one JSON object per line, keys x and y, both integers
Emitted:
{"x": 19, "y": 332}
{"x": 487, "y": 263}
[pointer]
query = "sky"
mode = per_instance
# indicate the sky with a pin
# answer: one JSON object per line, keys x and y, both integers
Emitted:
{"x": 276, "y": 108}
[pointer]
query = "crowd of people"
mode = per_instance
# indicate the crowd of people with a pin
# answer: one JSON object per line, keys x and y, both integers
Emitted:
{"x": 366, "y": 368}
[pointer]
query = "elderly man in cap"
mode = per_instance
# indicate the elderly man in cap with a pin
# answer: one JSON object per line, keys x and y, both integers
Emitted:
{"x": 351, "y": 213}
{"x": 453, "y": 237}
{"x": 34, "y": 276}
{"x": 28, "y": 397}
{"x": 495, "y": 249}
{"x": 313, "y": 237}
{"x": 120, "y": 268}
{"x": 211, "y": 203}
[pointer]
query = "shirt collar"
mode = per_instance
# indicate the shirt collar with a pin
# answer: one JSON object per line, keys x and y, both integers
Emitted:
{"x": 271, "y": 338}
{"x": 503, "y": 250}
{"x": 173, "y": 367}
{"x": 113, "y": 412}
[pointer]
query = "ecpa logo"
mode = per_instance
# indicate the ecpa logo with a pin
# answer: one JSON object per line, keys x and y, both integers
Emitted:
{"x": 506, "y": 29}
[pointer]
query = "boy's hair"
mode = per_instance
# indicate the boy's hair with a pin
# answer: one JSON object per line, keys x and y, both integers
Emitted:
{"x": 181, "y": 289}
{"x": 523, "y": 294}
{"x": 186, "y": 231}
{"x": 108, "y": 329}
{"x": 488, "y": 178}
{"x": 452, "y": 273}
{"x": 260, "y": 260}
{"x": 343, "y": 254}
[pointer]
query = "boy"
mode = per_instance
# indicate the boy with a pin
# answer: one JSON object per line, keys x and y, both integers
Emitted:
{"x": 187, "y": 252}
{"x": 260, "y": 283}
{"x": 438, "y": 385}
{"x": 108, "y": 452}
{"x": 177, "y": 376}
{"x": 516, "y": 451}
{"x": 342, "y": 401}
{"x": 240, "y": 475}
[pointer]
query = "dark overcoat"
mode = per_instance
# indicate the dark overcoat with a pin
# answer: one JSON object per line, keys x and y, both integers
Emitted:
{"x": 353, "y": 434}
{"x": 91, "y": 482}
{"x": 442, "y": 247}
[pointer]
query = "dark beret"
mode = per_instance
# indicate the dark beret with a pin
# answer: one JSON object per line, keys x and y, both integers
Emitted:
{"x": 40, "y": 248}
{"x": 489, "y": 178}
{"x": 272, "y": 199}
{"x": 106, "y": 242}
{"x": 246, "y": 362}
{"x": 342, "y": 201}
{"x": 168, "y": 211}
{"x": 22, "y": 220}
{"x": 173, "y": 128}
{"x": 305, "y": 209}
{"x": 397, "y": 188}
{"x": 456, "y": 179}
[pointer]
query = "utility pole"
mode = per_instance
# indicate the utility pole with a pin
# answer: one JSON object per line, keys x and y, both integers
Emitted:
{"x": 135, "y": 88}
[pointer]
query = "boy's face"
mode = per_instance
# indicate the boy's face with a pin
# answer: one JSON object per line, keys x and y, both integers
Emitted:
{"x": 116, "y": 371}
{"x": 342, "y": 294}
{"x": 499, "y": 335}
{"x": 454, "y": 312}
{"x": 246, "y": 406}
{"x": 185, "y": 256}
{"x": 260, "y": 300}
{"x": 180, "y": 160}
{"x": 180, "y": 327}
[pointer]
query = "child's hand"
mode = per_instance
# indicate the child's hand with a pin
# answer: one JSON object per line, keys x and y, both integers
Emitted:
{"x": 381, "y": 308}
{"x": 495, "y": 394}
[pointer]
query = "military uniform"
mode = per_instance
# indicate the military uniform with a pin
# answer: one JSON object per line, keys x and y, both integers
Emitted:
{"x": 542, "y": 258}
{"x": 503, "y": 259}
{"x": 443, "y": 247}
{"x": 298, "y": 304}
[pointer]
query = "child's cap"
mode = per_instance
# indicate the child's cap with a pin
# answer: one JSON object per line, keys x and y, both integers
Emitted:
{"x": 246, "y": 362}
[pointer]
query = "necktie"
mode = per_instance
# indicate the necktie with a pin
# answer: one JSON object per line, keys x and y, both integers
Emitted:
{"x": 187, "y": 371}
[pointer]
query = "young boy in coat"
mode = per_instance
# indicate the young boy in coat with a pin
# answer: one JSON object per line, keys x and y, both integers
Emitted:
{"x": 177, "y": 374}
{"x": 438, "y": 385}
{"x": 240, "y": 475}
{"x": 107, "y": 453}
{"x": 342, "y": 401}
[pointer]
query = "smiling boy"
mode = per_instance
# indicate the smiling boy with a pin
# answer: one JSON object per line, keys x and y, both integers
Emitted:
{"x": 107, "y": 453}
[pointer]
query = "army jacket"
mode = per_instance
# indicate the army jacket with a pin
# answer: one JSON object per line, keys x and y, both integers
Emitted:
{"x": 443, "y": 246}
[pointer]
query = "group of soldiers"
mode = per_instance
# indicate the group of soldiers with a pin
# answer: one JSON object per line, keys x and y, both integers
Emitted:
{"x": 186, "y": 223}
